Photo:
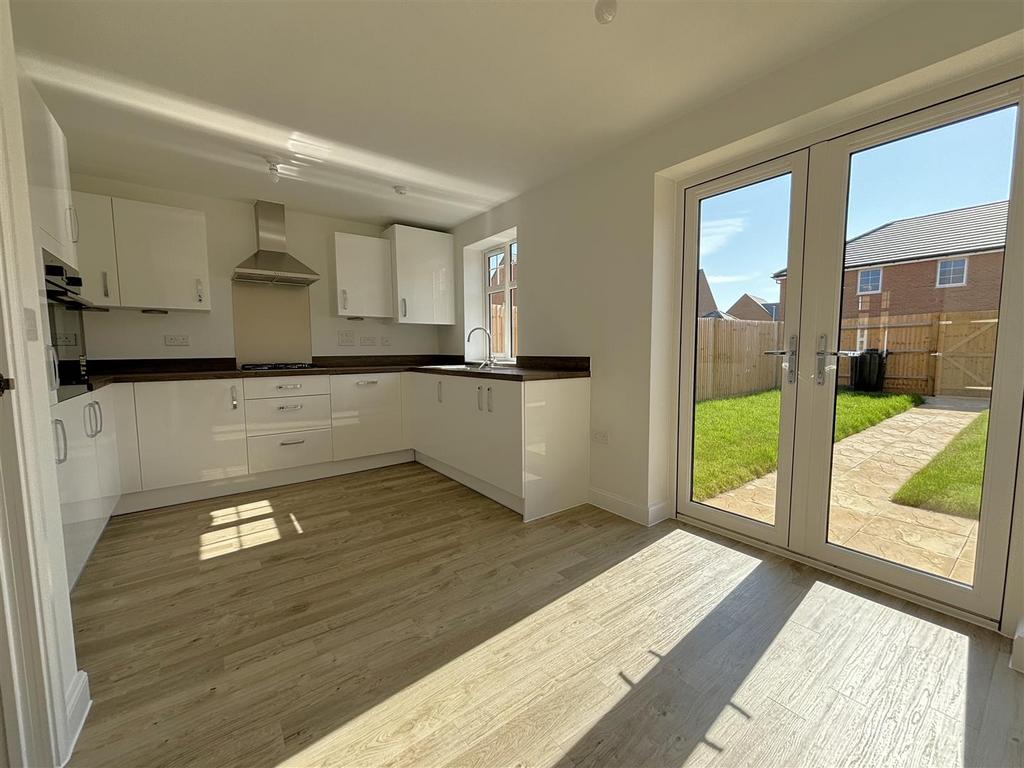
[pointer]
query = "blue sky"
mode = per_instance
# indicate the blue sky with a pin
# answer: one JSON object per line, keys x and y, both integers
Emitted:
{"x": 743, "y": 233}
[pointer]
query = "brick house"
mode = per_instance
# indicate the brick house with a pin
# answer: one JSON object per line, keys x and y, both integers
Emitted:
{"x": 950, "y": 261}
{"x": 750, "y": 307}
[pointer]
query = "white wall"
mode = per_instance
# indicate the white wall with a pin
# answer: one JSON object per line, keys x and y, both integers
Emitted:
{"x": 231, "y": 237}
{"x": 593, "y": 272}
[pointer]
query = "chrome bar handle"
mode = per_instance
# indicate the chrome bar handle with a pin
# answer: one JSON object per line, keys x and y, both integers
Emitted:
{"x": 405, "y": 309}
{"x": 62, "y": 441}
{"x": 73, "y": 223}
{"x": 344, "y": 298}
{"x": 439, "y": 398}
{"x": 54, "y": 369}
{"x": 200, "y": 291}
{"x": 289, "y": 386}
{"x": 99, "y": 413}
{"x": 88, "y": 420}
{"x": 479, "y": 398}
{"x": 366, "y": 382}
{"x": 234, "y": 398}
{"x": 291, "y": 407}
{"x": 292, "y": 442}
{"x": 490, "y": 400}
{"x": 106, "y": 284}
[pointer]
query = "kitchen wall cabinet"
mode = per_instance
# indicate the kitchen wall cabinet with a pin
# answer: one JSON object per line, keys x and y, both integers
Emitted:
{"x": 524, "y": 444}
{"x": 46, "y": 155}
{"x": 161, "y": 256}
{"x": 423, "y": 265}
{"x": 362, "y": 276}
{"x": 97, "y": 255}
{"x": 366, "y": 414}
{"x": 190, "y": 431}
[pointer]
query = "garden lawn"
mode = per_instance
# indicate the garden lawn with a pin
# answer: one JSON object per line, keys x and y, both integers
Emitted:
{"x": 736, "y": 439}
{"x": 951, "y": 482}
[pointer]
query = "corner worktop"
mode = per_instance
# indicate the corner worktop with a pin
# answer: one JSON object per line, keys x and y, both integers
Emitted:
{"x": 533, "y": 368}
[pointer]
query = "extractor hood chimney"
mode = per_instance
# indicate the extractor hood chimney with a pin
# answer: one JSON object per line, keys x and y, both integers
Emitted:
{"x": 272, "y": 264}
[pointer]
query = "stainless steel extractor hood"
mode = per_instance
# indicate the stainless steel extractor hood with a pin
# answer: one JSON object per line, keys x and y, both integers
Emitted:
{"x": 272, "y": 264}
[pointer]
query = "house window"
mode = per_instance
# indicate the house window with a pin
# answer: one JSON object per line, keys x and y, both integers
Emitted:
{"x": 869, "y": 281}
{"x": 951, "y": 272}
{"x": 501, "y": 307}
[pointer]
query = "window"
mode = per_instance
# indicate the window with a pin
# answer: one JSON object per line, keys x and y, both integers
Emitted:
{"x": 869, "y": 281}
{"x": 951, "y": 272}
{"x": 501, "y": 307}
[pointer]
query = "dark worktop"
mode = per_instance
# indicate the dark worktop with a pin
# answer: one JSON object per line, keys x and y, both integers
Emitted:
{"x": 532, "y": 368}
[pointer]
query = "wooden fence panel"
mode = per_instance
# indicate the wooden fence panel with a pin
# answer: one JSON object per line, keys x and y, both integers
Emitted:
{"x": 950, "y": 353}
{"x": 730, "y": 357}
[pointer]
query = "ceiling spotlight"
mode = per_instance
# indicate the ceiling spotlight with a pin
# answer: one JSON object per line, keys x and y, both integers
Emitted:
{"x": 275, "y": 175}
{"x": 605, "y": 10}
{"x": 401, "y": 189}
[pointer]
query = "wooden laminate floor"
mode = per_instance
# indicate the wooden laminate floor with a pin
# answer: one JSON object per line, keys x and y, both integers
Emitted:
{"x": 396, "y": 618}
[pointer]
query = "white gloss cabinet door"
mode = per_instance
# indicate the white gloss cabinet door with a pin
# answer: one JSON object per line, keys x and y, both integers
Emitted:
{"x": 78, "y": 481}
{"x": 495, "y": 439}
{"x": 366, "y": 414}
{"x": 48, "y": 177}
{"x": 97, "y": 255}
{"x": 106, "y": 433}
{"x": 362, "y": 276}
{"x": 190, "y": 431}
{"x": 161, "y": 256}
{"x": 424, "y": 275}
{"x": 429, "y": 406}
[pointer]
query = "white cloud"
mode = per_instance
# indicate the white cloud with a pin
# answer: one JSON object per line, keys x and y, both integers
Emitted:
{"x": 721, "y": 279}
{"x": 714, "y": 234}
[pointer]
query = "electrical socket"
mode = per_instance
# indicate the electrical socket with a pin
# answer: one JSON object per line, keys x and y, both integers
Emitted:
{"x": 67, "y": 339}
{"x": 600, "y": 436}
{"x": 177, "y": 340}
{"x": 346, "y": 338}
{"x": 385, "y": 340}
{"x": 367, "y": 341}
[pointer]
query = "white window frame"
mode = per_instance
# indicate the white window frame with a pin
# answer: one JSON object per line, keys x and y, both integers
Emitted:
{"x": 869, "y": 269}
{"x": 506, "y": 288}
{"x": 938, "y": 272}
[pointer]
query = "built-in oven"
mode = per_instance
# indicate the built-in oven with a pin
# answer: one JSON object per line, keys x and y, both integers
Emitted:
{"x": 69, "y": 375}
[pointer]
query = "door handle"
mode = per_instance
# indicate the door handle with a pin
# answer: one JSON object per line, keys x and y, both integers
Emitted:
{"x": 296, "y": 407}
{"x": 405, "y": 309}
{"x": 62, "y": 440}
{"x": 90, "y": 421}
{"x": 479, "y": 398}
{"x": 234, "y": 398}
{"x": 289, "y": 386}
{"x": 366, "y": 382}
{"x": 439, "y": 398}
{"x": 292, "y": 442}
{"x": 106, "y": 284}
{"x": 200, "y": 295}
{"x": 54, "y": 369}
{"x": 73, "y": 223}
{"x": 99, "y": 414}
{"x": 824, "y": 353}
{"x": 490, "y": 400}
{"x": 344, "y": 298}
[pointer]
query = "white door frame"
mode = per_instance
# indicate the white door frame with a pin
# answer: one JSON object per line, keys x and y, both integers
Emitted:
{"x": 45, "y": 696}
{"x": 829, "y": 169}
{"x": 794, "y": 164}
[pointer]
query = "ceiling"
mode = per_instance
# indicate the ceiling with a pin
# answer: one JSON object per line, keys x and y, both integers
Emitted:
{"x": 466, "y": 103}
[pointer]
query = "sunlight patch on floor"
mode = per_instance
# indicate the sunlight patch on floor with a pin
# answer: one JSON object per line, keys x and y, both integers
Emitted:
{"x": 458, "y": 703}
{"x": 234, "y": 538}
{"x": 240, "y": 512}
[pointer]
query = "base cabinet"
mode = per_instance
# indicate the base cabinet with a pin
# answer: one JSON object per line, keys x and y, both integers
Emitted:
{"x": 366, "y": 414}
{"x": 525, "y": 443}
{"x": 190, "y": 431}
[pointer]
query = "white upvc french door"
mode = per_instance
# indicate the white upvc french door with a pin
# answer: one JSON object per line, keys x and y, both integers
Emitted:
{"x": 957, "y": 558}
{"x": 870, "y": 499}
{"x": 714, "y": 212}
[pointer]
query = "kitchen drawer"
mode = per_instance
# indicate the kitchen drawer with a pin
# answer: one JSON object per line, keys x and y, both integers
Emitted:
{"x": 272, "y": 415}
{"x": 286, "y": 386}
{"x": 294, "y": 449}
{"x": 366, "y": 414}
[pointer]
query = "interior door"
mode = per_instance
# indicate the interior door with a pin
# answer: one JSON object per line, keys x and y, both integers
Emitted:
{"x": 742, "y": 265}
{"x": 913, "y": 351}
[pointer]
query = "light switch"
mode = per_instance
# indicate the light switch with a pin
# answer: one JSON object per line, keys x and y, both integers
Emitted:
{"x": 177, "y": 340}
{"x": 367, "y": 341}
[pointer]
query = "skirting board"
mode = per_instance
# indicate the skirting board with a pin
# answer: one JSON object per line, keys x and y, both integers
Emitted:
{"x": 77, "y": 703}
{"x": 638, "y": 513}
{"x": 179, "y": 494}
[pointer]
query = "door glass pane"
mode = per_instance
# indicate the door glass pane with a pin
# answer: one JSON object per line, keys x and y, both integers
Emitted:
{"x": 496, "y": 317}
{"x": 917, "y": 352}
{"x": 744, "y": 242}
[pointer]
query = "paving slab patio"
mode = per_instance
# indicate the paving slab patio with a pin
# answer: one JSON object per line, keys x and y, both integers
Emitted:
{"x": 867, "y": 469}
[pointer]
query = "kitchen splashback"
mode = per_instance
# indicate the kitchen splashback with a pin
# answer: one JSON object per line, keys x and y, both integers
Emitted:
{"x": 272, "y": 324}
